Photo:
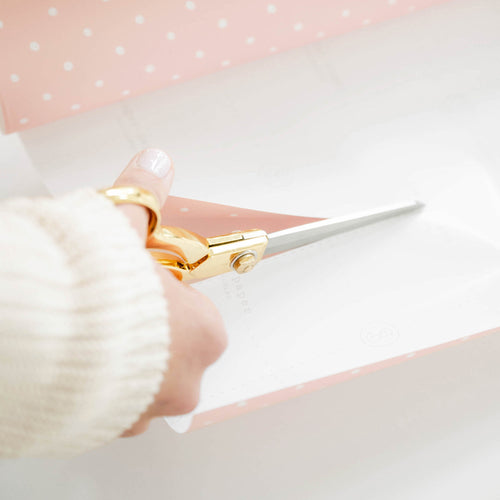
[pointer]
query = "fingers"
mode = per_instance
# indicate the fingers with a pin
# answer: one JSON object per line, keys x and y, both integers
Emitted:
{"x": 138, "y": 428}
{"x": 197, "y": 333}
{"x": 151, "y": 169}
{"x": 197, "y": 339}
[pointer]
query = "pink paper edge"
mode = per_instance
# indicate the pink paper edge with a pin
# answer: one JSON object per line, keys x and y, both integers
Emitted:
{"x": 225, "y": 412}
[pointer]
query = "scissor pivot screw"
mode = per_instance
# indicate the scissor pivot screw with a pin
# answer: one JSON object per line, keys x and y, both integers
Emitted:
{"x": 244, "y": 262}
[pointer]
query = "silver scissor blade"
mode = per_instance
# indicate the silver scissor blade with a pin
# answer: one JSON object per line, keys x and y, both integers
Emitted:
{"x": 298, "y": 236}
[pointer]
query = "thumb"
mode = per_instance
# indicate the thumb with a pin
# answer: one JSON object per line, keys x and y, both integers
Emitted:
{"x": 151, "y": 169}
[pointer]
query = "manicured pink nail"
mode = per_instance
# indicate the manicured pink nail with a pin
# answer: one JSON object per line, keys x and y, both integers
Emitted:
{"x": 154, "y": 161}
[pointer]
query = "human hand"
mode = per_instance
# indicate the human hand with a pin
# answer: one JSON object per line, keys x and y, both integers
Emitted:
{"x": 197, "y": 333}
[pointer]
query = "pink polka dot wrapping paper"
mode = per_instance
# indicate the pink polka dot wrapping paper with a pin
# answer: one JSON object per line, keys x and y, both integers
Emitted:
{"x": 62, "y": 57}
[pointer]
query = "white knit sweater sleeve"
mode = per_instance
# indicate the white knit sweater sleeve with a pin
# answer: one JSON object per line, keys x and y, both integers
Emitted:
{"x": 83, "y": 325}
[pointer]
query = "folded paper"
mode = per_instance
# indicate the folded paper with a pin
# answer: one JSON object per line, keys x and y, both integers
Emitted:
{"x": 358, "y": 301}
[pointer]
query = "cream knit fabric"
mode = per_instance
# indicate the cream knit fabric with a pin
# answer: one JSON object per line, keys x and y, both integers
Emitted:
{"x": 83, "y": 325}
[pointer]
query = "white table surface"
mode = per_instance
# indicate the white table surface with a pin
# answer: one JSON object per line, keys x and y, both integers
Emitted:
{"x": 425, "y": 429}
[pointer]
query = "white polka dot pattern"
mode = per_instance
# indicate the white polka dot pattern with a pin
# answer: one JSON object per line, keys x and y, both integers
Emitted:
{"x": 97, "y": 49}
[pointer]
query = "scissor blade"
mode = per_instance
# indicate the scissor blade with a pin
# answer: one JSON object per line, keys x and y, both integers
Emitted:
{"x": 298, "y": 236}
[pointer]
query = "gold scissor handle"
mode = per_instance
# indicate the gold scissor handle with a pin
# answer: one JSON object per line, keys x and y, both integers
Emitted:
{"x": 188, "y": 255}
{"x": 192, "y": 257}
{"x": 137, "y": 196}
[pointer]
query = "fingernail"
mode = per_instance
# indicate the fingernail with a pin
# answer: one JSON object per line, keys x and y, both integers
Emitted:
{"x": 154, "y": 161}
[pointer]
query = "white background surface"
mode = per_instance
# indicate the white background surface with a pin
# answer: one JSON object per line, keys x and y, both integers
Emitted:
{"x": 426, "y": 429}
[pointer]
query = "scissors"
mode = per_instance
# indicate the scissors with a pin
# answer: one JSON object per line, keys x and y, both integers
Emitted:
{"x": 192, "y": 257}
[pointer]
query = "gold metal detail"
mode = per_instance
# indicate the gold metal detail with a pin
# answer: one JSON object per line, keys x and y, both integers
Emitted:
{"x": 244, "y": 262}
{"x": 136, "y": 196}
{"x": 192, "y": 257}
{"x": 188, "y": 255}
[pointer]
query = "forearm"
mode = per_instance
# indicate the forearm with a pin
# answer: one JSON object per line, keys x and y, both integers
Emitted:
{"x": 83, "y": 330}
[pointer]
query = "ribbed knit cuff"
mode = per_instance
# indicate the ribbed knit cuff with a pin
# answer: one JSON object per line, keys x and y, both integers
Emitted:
{"x": 106, "y": 341}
